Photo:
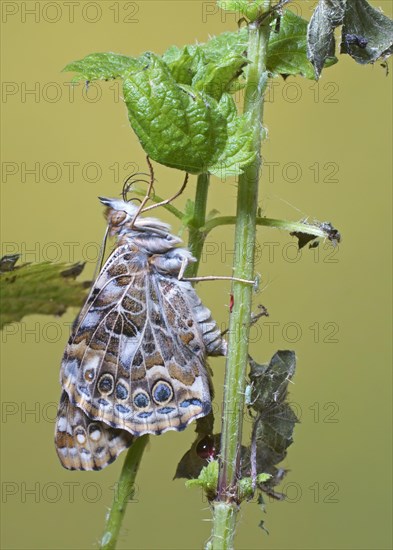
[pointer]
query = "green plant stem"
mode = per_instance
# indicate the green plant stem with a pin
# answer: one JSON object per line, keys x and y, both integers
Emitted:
{"x": 225, "y": 506}
{"x": 124, "y": 491}
{"x": 196, "y": 236}
{"x": 200, "y": 232}
{"x": 268, "y": 222}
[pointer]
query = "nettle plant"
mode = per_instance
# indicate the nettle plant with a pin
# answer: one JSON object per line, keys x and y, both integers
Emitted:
{"x": 181, "y": 107}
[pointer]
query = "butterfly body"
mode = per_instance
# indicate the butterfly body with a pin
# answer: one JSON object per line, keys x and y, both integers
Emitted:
{"x": 136, "y": 359}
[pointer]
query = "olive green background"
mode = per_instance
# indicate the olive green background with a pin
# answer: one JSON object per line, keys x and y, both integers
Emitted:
{"x": 332, "y": 307}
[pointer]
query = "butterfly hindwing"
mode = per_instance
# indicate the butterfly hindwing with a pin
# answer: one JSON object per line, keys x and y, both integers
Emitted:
{"x": 83, "y": 444}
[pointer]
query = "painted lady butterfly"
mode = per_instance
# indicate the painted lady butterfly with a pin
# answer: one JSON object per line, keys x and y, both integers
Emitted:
{"x": 136, "y": 360}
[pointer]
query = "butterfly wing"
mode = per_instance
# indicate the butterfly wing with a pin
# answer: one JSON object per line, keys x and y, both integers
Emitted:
{"x": 83, "y": 444}
{"x": 175, "y": 377}
{"x": 136, "y": 358}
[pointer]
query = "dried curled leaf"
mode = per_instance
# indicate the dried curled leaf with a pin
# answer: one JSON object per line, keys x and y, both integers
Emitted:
{"x": 270, "y": 381}
{"x": 321, "y": 44}
{"x": 7, "y": 263}
{"x": 367, "y": 34}
{"x": 330, "y": 233}
{"x": 275, "y": 420}
{"x": 272, "y": 434}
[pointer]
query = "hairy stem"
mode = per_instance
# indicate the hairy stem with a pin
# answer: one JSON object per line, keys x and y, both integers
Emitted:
{"x": 196, "y": 236}
{"x": 299, "y": 227}
{"x": 225, "y": 507}
{"x": 124, "y": 491}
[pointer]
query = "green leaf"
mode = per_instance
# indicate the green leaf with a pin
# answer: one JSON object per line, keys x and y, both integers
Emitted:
{"x": 287, "y": 54}
{"x": 218, "y": 48}
{"x": 179, "y": 105}
{"x": 238, "y": 151}
{"x": 179, "y": 125}
{"x": 367, "y": 33}
{"x": 212, "y": 67}
{"x": 184, "y": 63}
{"x": 207, "y": 479}
{"x": 246, "y": 486}
{"x": 248, "y": 8}
{"x": 261, "y": 478}
{"x": 226, "y": 44}
{"x": 104, "y": 66}
{"x": 188, "y": 212}
{"x": 216, "y": 78}
{"x": 233, "y": 5}
{"x": 183, "y": 128}
{"x": 42, "y": 288}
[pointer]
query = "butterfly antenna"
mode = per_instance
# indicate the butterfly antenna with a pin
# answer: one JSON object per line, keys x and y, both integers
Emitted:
{"x": 150, "y": 189}
{"x": 130, "y": 181}
{"x": 127, "y": 186}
